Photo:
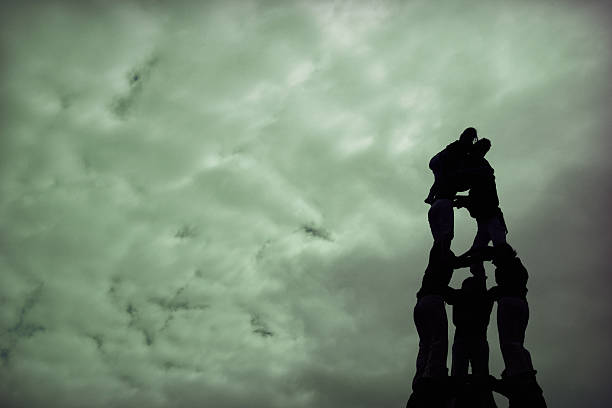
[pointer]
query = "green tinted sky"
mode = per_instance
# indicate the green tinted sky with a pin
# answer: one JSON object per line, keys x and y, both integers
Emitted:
{"x": 221, "y": 204}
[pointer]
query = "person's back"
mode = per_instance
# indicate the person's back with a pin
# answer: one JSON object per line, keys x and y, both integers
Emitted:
{"x": 518, "y": 377}
{"x": 432, "y": 327}
{"x": 482, "y": 202}
{"x": 452, "y": 156}
{"x": 446, "y": 162}
{"x": 511, "y": 276}
{"x": 483, "y": 198}
{"x": 472, "y": 307}
{"x": 472, "y": 310}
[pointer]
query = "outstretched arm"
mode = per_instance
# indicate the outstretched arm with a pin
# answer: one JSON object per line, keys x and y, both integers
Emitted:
{"x": 473, "y": 255}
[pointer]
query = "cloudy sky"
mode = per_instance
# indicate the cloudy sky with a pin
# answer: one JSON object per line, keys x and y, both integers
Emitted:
{"x": 221, "y": 204}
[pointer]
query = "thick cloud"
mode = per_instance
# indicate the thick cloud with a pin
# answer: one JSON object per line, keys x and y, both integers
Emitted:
{"x": 222, "y": 203}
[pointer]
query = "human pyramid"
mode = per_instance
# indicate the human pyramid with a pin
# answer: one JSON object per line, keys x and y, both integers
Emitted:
{"x": 462, "y": 166}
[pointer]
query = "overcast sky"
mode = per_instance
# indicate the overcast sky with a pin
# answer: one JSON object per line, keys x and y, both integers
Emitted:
{"x": 221, "y": 204}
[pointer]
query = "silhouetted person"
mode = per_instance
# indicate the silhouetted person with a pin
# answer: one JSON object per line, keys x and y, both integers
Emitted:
{"x": 518, "y": 378}
{"x": 431, "y": 377}
{"x": 445, "y": 163}
{"x": 445, "y": 166}
{"x": 472, "y": 306}
{"x": 482, "y": 203}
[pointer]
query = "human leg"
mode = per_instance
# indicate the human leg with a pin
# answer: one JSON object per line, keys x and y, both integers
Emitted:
{"x": 481, "y": 240}
{"x": 479, "y": 357}
{"x": 459, "y": 361}
{"x": 518, "y": 381}
{"x": 422, "y": 326}
{"x": 512, "y": 318}
{"x": 430, "y": 381}
{"x": 432, "y": 327}
{"x": 441, "y": 221}
{"x": 496, "y": 229}
{"x": 523, "y": 390}
{"x": 435, "y": 167}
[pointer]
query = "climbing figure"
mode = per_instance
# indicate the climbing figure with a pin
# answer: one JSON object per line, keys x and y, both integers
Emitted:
{"x": 482, "y": 203}
{"x": 472, "y": 306}
{"x": 446, "y": 162}
{"x": 518, "y": 381}
{"x": 447, "y": 183}
{"x": 431, "y": 377}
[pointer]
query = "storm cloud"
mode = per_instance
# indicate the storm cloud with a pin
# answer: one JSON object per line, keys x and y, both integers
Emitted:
{"x": 221, "y": 203}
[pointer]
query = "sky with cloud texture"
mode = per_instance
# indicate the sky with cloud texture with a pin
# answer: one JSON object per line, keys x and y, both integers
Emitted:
{"x": 220, "y": 204}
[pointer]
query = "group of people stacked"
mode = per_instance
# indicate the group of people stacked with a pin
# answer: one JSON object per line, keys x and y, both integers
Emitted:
{"x": 461, "y": 167}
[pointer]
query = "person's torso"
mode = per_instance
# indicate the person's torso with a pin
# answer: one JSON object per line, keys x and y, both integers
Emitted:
{"x": 435, "y": 281}
{"x": 472, "y": 313}
{"x": 484, "y": 201}
{"x": 512, "y": 279}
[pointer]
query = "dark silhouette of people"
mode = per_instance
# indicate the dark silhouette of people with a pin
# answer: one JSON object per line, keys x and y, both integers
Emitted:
{"x": 482, "y": 203}
{"x": 472, "y": 306}
{"x": 518, "y": 381}
{"x": 446, "y": 162}
{"x": 432, "y": 327}
{"x": 445, "y": 166}
{"x": 462, "y": 166}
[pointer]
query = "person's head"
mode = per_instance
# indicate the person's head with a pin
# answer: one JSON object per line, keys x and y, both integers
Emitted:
{"x": 511, "y": 273}
{"x": 503, "y": 254}
{"x": 481, "y": 147}
{"x": 468, "y": 136}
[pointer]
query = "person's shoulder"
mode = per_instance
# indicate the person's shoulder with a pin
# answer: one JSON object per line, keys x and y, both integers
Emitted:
{"x": 453, "y": 146}
{"x": 486, "y": 163}
{"x": 485, "y": 166}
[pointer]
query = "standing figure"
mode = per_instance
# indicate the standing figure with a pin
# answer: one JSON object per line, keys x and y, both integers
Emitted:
{"x": 518, "y": 381}
{"x": 430, "y": 381}
{"x": 446, "y": 162}
{"x": 482, "y": 203}
{"x": 445, "y": 166}
{"x": 472, "y": 306}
